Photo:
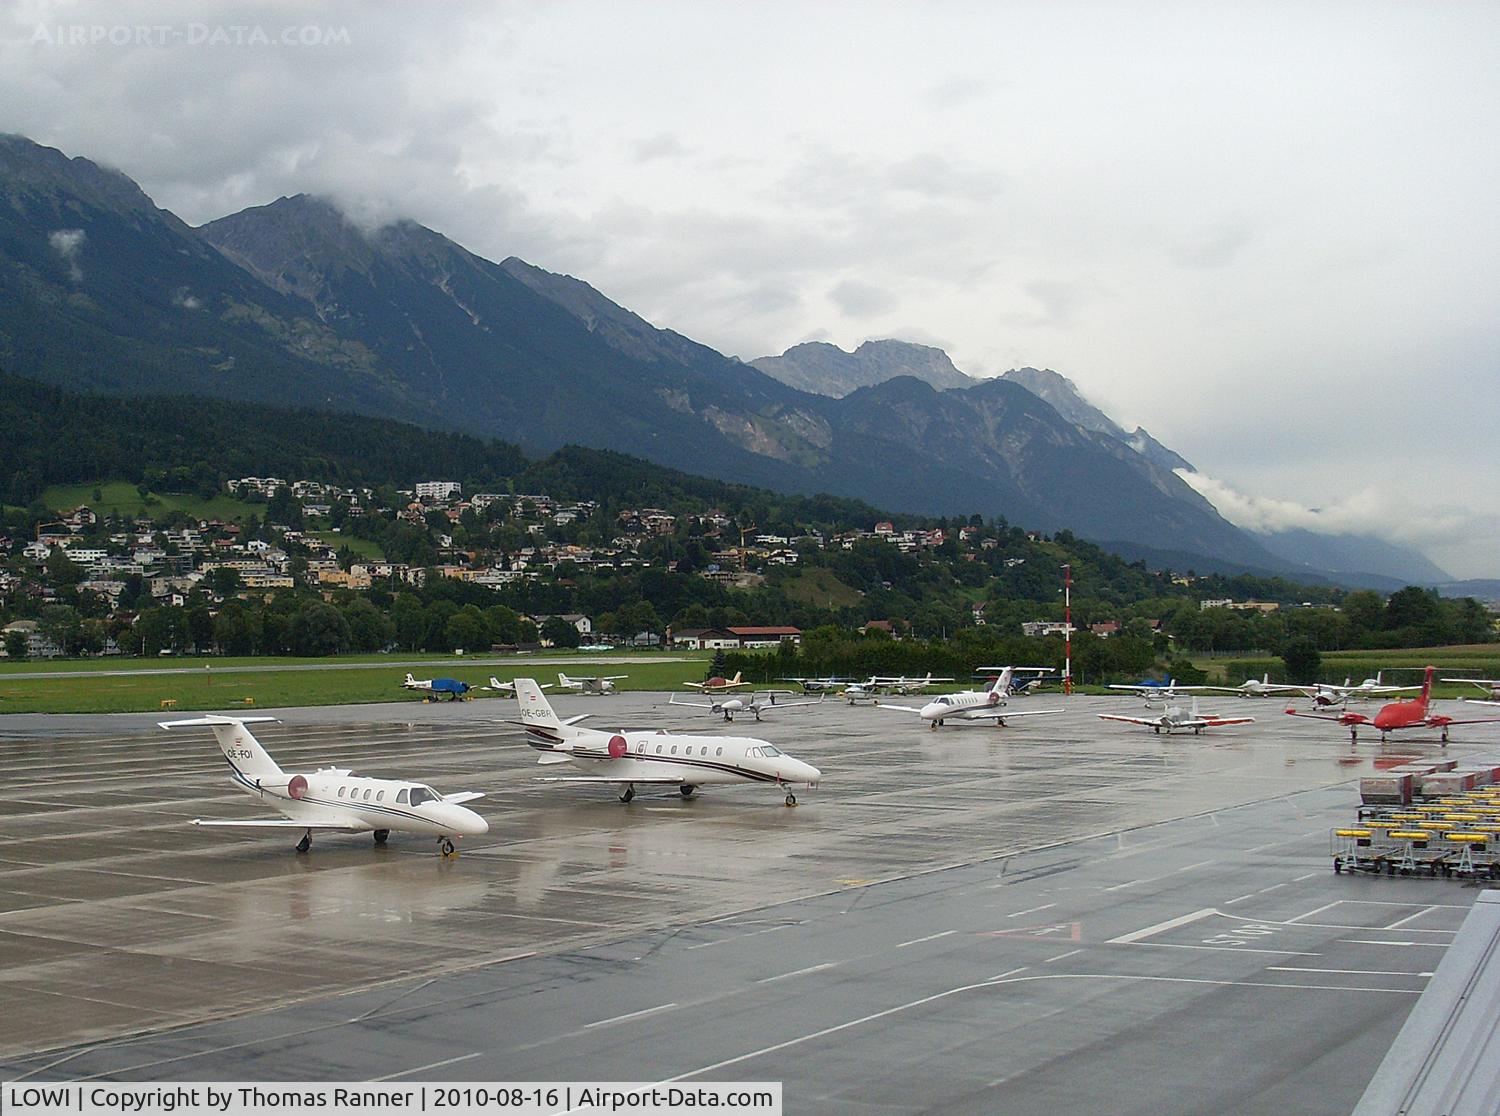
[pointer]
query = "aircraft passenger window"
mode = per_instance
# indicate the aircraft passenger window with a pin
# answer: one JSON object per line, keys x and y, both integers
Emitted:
{"x": 401, "y": 795}
{"x": 380, "y": 796}
{"x": 341, "y": 792}
{"x": 658, "y": 749}
{"x": 674, "y": 749}
{"x": 367, "y": 794}
{"x": 718, "y": 751}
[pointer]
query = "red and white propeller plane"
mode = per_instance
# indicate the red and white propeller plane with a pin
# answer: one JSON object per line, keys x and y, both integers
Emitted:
{"x": 718, "y": 685}
{"x": 1398, "y": 715}
{"x": 1177, "y": 719}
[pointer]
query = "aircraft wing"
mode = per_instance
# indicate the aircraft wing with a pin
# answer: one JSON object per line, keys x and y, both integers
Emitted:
{"x": 1340, "y": 718}
{"x": 1475, "y": 720}
{"x": 1149, "y": 722}
{"x": 277, "y": 823}
{"x": 463, "y": 796}
{"x": 662, "y": 780}
{"x": 1005, "y": 714}
{"x": 695, "y": 704}
{"x": 901, "y": 708}
{"x": 791, "y": 704}
{"x": 1217, "y": 722}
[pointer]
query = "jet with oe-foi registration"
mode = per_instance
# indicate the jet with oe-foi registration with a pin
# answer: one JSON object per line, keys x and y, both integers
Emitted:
{"x": 654, "y": 758}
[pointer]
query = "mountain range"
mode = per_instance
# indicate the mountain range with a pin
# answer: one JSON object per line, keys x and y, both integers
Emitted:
{"x": 294, "y": 303}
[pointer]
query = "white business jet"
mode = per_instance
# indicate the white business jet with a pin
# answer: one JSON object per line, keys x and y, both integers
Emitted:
{"x": 972, "y": 705}
{"x": 637, "y": 758}
{"x": 334, "y": 797}
{"x": 750, "y": 703}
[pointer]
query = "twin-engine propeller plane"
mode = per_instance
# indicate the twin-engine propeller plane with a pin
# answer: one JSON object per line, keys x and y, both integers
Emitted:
{"x": 1399, "y": 715}
{"x": 717, "y": 685}
{"x": 1177, "y": 719}
{"x": 604, "y": 684}
{"x": 435, "y": 688}
{"x": 334, "y": 798}
{"x": 634, "y": 758}
{"x": 1260, "y": 687}
{"x": 972, "y": 705}
{"x": 749, "y": 703}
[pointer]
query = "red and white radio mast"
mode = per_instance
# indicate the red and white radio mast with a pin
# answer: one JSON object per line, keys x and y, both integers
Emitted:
{"x": 1067, "y": 629}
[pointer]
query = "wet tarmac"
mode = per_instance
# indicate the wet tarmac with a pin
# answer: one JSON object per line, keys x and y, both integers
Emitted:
{"x": 1046, "y": 913}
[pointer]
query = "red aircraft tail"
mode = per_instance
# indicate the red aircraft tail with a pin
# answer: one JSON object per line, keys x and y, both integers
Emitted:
{"x": 1427, "y": 687}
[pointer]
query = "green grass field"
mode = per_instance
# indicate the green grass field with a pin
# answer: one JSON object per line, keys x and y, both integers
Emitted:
{"x": 122, "y": 496}
{"x": 218, "y": 688}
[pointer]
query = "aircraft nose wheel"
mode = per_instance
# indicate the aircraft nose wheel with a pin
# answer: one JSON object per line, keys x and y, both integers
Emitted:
{"x": 445, "y": 846}
{"x": 686, "y": 790}
{"x": 381, "y": 835}
{"x": 306, "y": 842}
{"x": 791, "y": 799}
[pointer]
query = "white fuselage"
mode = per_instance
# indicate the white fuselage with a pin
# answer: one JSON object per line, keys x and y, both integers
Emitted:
{"x": 335, "y": 796}
{"x": 695, "y": 760}
{"x": 967, "y": 705}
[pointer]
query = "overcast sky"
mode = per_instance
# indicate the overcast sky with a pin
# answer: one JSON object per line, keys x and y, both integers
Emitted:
{"x": 1266, "y": 231}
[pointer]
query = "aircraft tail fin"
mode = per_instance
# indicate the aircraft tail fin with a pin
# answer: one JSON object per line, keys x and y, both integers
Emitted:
{"x": 238, "y": 744}
{"x": 1001, "y": 683}
{"x": 1427, "y": 684}
{"x": 736, "y": 680}
{"x": 535, "y": 708}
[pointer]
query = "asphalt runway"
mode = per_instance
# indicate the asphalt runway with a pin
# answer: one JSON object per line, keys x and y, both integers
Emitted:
{"x": 1062, "y": 913}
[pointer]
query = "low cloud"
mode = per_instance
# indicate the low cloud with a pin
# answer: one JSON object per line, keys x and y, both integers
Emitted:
{"x": 862, "y": 300}
{"x": 68, "y": 243}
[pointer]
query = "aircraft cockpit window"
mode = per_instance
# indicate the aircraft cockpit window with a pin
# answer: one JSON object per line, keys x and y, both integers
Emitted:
{"x": 401, "y": 795}
{"x": 420, "y": 795}
{"x": 754, "y": 751}
{"x": 769, "y": 750}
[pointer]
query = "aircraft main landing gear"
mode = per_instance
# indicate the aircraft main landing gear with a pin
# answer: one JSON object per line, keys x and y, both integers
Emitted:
{"x": 381, "y": 835}
{"x": 629, "y": 793}
{"x": 306, "y": 842}
{"x": 687, "y": 789}
{"x": 445, "y": 846}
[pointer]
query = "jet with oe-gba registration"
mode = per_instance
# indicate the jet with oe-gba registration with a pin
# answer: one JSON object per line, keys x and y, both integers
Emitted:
{"x": 749, "y": 703}
{"x": 334, "y": 798}
{"x": 654, "y": 758}
{"x": 604, "y": 684}
{"x": 1177, "y": 719}
{"x": 434, "y": 688}
{"x": 971, "y": 705}
{"x": 1399, "y": 715}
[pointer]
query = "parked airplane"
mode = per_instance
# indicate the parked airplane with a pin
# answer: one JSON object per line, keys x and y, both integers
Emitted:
{"x": 1325, "y": 694}
{"x": 1490, "y": 686}
{"x": 1398, "y": 715}
{"x": 860, "y": 691}
{"x": 1020, "y": 687}
{"x": 901, "y": 684}
{"x": 655, "y": 758}
{"x": 819, "y": 685}
{"x": 718, "y": 685}
{"x": 508, "y": 687}
{"x": 752, "y": 703}
{"x": 604, "y": 684}
{"x": 1175, "y": 718}
{"x": 1156, "y": 693}
{"x": 1262, "y": 687}
{"x": 435, "y": 687}
{"x": 334, "y": 798}
{"x": 971, "y": 705}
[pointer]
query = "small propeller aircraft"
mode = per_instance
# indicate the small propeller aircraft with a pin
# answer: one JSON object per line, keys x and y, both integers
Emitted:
{"x": 334, "y": 798}
{"x": 1325, "y": 694}
{"x": 1489, "y": 686}
{"x": 901, "y": 684}
{"x": 748, "y": 703}
{"x": 1019, "y": 687}
{"x": 820, "y": 685}
{"x": 1177, "y": 719}
{"x": 718, "y": 685}
{"x": 604, "y": 684}
{"x": 1399, "y": 715}
{"x": 508, "y": 687}
{"x": 1153, "y": 692}
{"x": 1261, "y": 687}
{"x": 971, "y": 705}
{"x": 635, "y": 758}
{"x": 434, "y": 688}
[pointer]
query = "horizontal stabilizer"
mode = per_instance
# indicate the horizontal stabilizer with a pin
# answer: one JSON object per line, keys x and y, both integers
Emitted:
{"x": 214, "y": 719}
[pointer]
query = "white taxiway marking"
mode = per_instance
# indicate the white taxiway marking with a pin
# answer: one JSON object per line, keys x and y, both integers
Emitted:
{"x": 631, "y": 1015}
{"x": 1350, "y": 972}
{"x": 929, "y": 938}
{"x": 1060, "y": 956}
{"x": 1032, "y": 910}
{"x": 737, "y": 937}
{"x": 1315, "y": 910}
{"x": 1387, "y": 941}
{"x": 1170, "y": 924}
{"x": 1200, "y": 864}
{"x": 801, "y": 972}
{"x": 1409, "y": 918}
{"x": 428, "y": 1066}
{"x": 1120, "y": 886}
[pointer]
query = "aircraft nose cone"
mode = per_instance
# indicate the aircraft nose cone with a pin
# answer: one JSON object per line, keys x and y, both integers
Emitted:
{"x": 472, "y": 825}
